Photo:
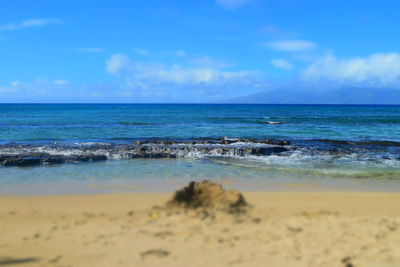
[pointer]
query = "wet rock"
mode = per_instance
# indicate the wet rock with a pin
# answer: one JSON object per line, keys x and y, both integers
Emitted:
{"x": 150, "y": 155}
{"x": 227, "y": 140}
{"x": 275, "y": 142}
{"x": 30, "y": 154}
{"x": 53, "y": 160}
{"x": 266, "y": 151}
{"x": 21, "y": 161}
{"x": 34, "y": 159}
{"x": 86, "y": 158}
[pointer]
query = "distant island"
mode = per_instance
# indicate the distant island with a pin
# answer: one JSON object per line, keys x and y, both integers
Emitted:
{"x": 342, "y": 95}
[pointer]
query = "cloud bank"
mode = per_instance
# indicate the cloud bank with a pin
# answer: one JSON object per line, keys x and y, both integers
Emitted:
{"x": 376, "y": 70}
{"x": 12, "y": 26}
{"x": 204, "y": 78}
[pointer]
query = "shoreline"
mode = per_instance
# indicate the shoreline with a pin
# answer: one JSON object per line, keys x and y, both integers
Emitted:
{"x": 287, "y": 200}
{"x": 280, "y": 229}
{"x": 52, "y": 182}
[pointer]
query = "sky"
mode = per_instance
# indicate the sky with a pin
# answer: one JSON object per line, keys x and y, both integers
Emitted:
{"x": 153, "y": 51}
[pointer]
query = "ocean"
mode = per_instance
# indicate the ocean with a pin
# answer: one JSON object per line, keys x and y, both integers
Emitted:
{"x": 75, "y": 148}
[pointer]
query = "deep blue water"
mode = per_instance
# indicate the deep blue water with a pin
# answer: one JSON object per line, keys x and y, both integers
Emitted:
{"x": 84, "y": 122}
{"x": 311, "y": 129}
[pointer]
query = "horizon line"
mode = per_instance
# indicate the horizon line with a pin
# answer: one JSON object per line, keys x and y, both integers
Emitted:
{"x": 188, "y": 103}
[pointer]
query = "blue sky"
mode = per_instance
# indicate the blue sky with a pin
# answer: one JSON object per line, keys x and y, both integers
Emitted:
{"x": 193, "y": 51}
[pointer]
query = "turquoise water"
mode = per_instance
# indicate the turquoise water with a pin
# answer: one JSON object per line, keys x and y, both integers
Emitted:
{"x": 156, "y": 175}
{"x": 340, "y": 147}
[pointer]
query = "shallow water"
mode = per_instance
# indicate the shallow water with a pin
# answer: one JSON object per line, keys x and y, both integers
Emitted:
{"x": 165, "y": 175}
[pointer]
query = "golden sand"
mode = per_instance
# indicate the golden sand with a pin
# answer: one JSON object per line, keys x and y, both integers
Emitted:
{"x": 280, "y": 229}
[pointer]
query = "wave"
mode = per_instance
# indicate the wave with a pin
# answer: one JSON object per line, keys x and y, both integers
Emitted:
{"x": 265, "y": 153}
{"x": 35, "y": 154}
{"x": 273, "y": 122}
{"x": 244, "y": 119}
{"x": 302, "y": 164}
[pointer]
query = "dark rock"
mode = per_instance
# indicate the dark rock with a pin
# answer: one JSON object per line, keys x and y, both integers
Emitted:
{"x": 266, "y": 151}
{"x": 27, "y": 155}
{"x": 21, "y": 161}
{"x": 275, "y": 142}
{"x": 53, "y": 160}
{"x": 86, "y": 158}
{"x": 227, "y": 141}
{"x": 208, "y": 194}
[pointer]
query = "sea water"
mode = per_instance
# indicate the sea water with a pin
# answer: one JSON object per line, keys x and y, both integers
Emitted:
{"x": 329, "y": 146}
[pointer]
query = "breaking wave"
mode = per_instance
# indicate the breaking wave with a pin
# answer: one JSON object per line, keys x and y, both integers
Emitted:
{"x": 317, "y": 157}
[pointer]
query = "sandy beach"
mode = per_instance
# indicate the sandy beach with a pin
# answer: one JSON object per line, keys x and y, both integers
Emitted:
{"x": 278, "y": 229}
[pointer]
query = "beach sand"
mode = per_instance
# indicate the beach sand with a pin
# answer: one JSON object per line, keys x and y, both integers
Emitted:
{"x": 279, "y": 229}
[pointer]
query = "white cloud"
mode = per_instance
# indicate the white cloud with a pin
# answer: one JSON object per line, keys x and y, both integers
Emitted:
{"x": 378, "y": 70}
{"x": 91, "y": 50}
{"x": 46, "y": 81}
{"x": 282, "y": 64}
{"x": 15, "y": 83}
{"x": 40, "y": 86}
{"x": 232, "y": 4}
{"x": 8, "y": 89}
{"x": 39, "y": 22}
{"x": 28, "y": 24}
{"x": 121, "y": 65}
{"x": 206, "y": 78}
{"x": 291, "y": 45}
{"x": 117, "y": 63}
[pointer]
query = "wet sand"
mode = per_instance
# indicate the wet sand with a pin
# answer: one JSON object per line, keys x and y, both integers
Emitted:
{"x": 279, "y": 229}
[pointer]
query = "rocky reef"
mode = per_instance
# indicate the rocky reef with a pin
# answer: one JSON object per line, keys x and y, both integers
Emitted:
{"x": 57, "y": 153}
{"x": 31, "y": 159}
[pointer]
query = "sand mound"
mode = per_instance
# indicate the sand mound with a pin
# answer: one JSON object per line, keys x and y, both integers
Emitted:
{"x": 208, "y": 194}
